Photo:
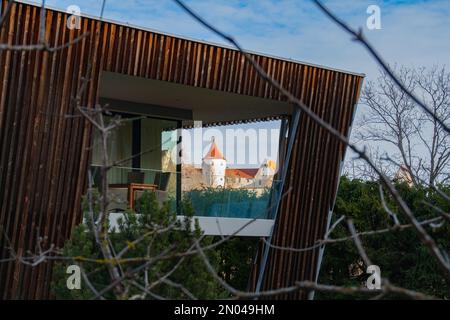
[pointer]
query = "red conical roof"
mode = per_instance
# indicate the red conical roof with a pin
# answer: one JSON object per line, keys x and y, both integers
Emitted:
{"x": 214, "y": 152}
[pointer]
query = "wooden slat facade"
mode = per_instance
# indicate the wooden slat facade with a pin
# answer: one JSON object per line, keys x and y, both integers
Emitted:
{"x": 44, "y": 152}
{"x": 313, "y": 178}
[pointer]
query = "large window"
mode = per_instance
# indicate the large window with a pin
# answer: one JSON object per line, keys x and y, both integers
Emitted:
{"x": 144, "y": 151}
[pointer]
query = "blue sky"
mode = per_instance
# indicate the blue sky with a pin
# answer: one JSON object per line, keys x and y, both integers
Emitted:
{"x": 414, "y": 32}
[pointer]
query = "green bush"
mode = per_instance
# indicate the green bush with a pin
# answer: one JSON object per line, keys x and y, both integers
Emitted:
{"x": 236, "y": 260}
{"x": 191, "y": 273}
{"x": 400, "y": 255}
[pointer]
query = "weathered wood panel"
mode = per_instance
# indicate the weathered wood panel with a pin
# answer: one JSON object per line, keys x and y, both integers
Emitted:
{"x": 313, "y": 178}
{"x": 44, "y": 143}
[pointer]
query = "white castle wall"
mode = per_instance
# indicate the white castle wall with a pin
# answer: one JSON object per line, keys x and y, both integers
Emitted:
{"x": 264, "y": 175}
{"x": 213, "y": 171}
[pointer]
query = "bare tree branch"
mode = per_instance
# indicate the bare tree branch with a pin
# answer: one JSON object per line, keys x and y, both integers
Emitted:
{"x": 426, "y": 239}
{"x": 358, "y": 36}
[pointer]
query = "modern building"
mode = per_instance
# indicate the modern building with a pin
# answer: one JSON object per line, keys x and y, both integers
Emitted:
{"x": 159, "y": 82}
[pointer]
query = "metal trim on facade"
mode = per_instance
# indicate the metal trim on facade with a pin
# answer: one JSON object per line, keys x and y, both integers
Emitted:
{"x": 44, "y": 152}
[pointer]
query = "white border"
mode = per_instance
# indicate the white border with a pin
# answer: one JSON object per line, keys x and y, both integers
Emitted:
{"x": 219, "y": 226}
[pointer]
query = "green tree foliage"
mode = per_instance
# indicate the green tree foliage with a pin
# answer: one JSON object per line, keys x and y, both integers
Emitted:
{"x": 236, "y": 260}
{"x": 400, "y": 255}
{"x": 191, "y": 273}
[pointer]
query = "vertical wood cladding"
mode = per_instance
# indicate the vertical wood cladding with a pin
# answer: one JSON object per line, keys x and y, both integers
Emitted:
{"x": 44, "y": 142}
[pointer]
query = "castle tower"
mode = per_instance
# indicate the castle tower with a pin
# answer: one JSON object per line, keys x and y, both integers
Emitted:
{"x": 265, "y": 174}
{"x": 403, "y": 175}
{"x": 213, "y": 167}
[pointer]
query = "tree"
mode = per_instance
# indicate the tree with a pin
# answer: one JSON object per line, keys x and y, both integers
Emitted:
{"x": 398, "y": 253}
{"x": 236, "y": 260}
{"x": 155, "y": 233}
{"x": 435, "y": 87}
{"x": 419, "y": 142}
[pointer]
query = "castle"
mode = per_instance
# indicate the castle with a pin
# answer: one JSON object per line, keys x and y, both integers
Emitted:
{"x": 214, "y": 166}
{"x": 214, "y": 173}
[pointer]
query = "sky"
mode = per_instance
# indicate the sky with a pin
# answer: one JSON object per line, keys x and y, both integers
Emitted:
{"x": 413, "y": 32}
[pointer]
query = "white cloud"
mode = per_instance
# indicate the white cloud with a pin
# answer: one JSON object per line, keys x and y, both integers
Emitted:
{"x": 414, "y": 33}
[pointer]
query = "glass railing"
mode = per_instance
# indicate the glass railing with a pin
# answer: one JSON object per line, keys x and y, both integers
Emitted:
{"x": 249, "y": 202}
{"x": 235, "y": 198}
